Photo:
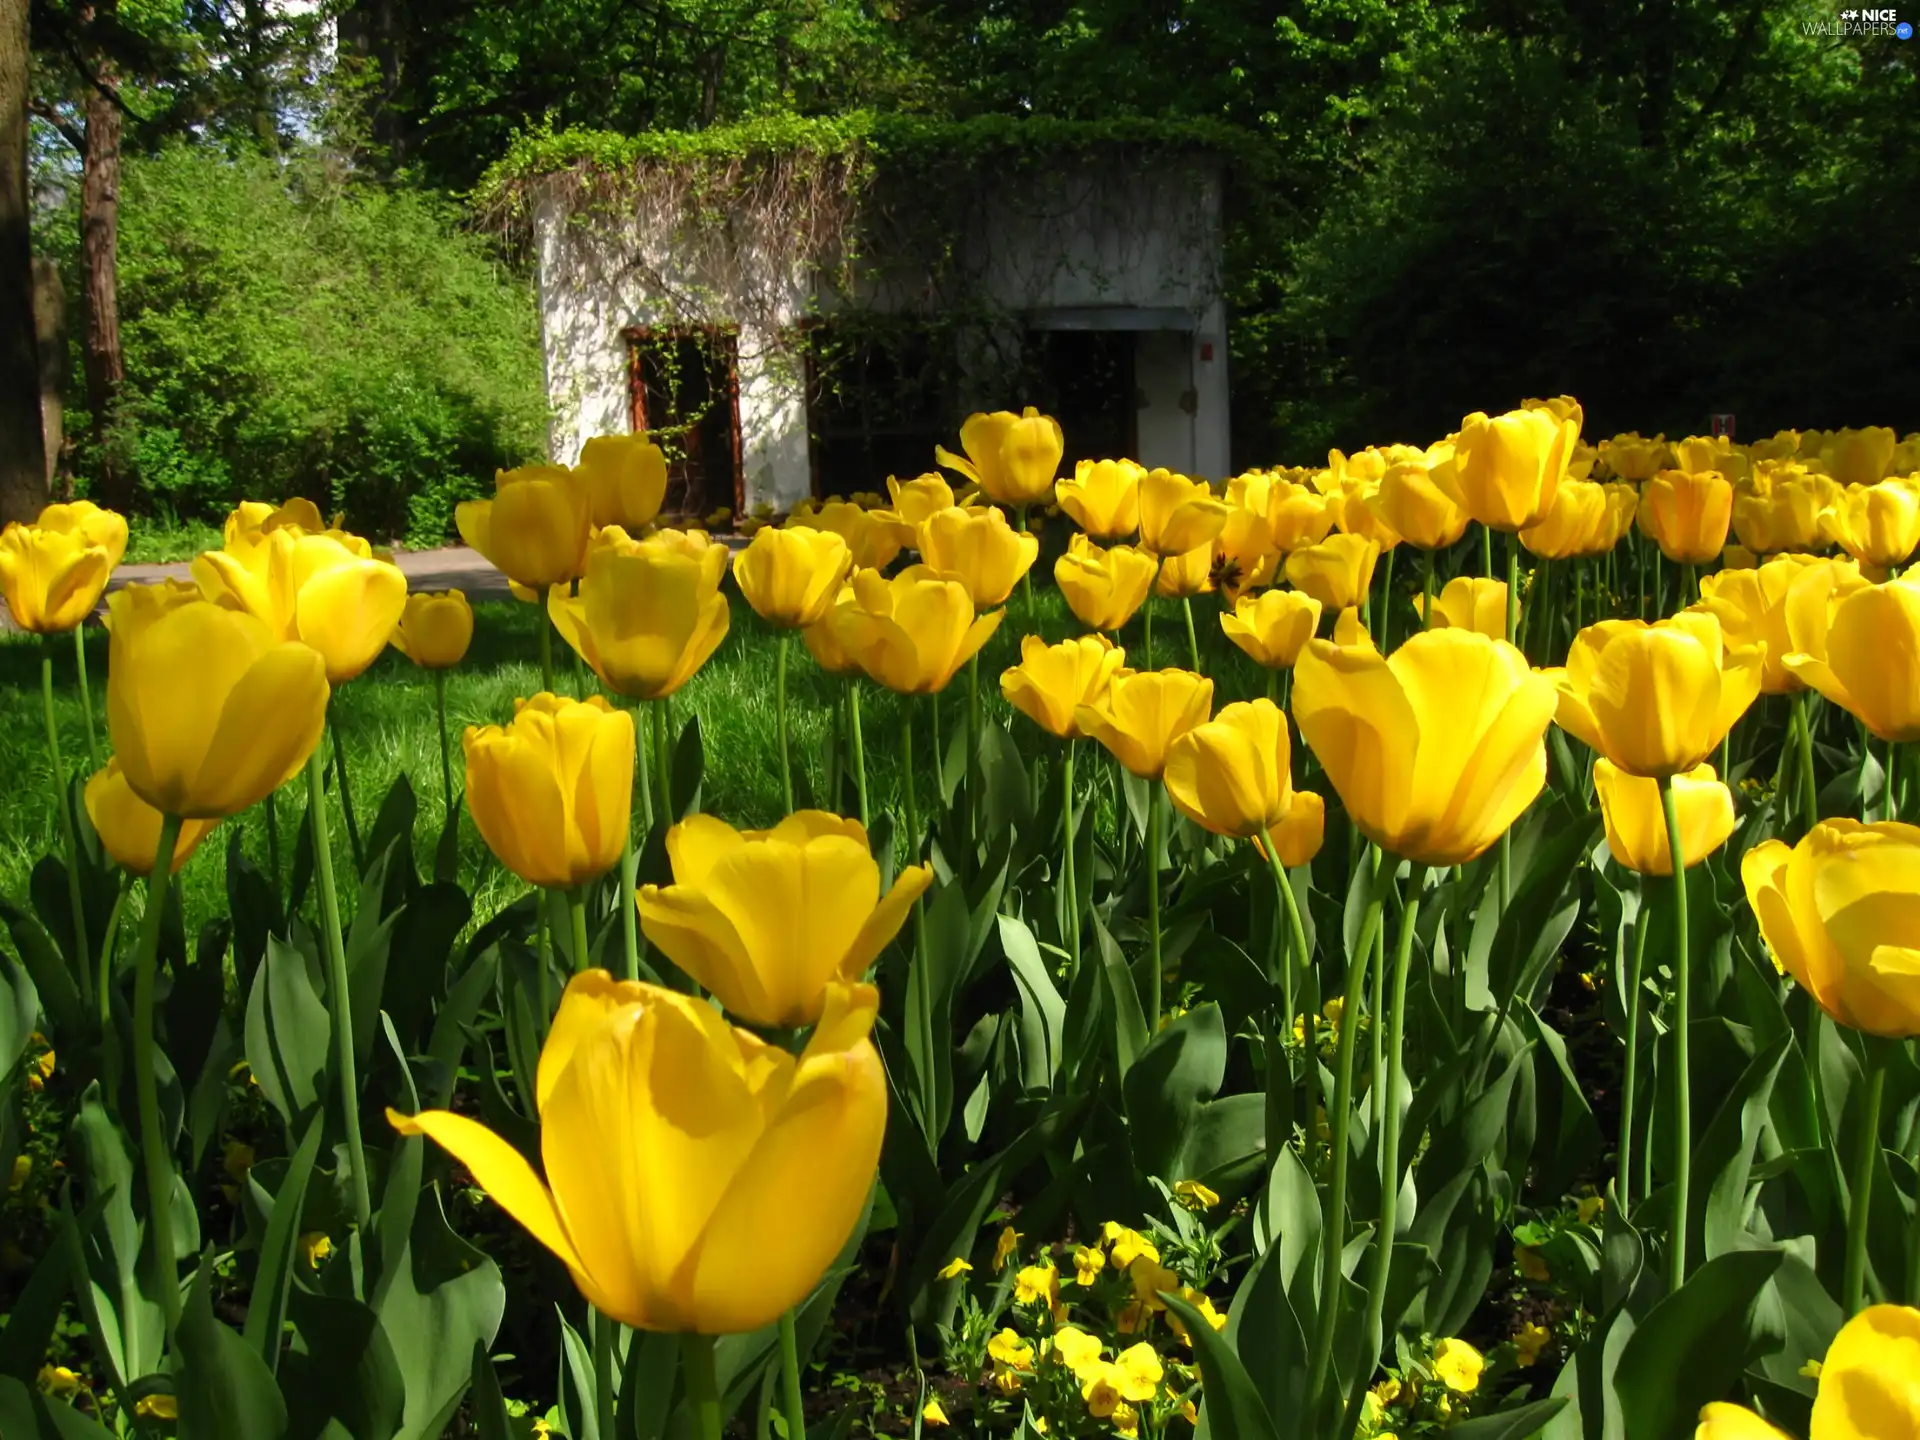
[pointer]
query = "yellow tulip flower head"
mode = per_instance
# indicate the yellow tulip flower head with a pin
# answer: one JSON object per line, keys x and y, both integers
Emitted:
{"x": 1859, "y": 646}
{"x": 1637, "y": 822}
{"x": 1104, "y": 587}
{"x": 1417, "y": 508}
{"x": 550, "y": 792}
{"x": 95, "y": 525}
{"x": 1686, "y": 514}
{"x": 1184, "y": 576}
{"x": 980, "y": 550}
{"x": 1634, "y": 458}
{"x": 823, "y": 643}
{"x": 52, "y": 579}
{"x": 874, "y": 537}
{"x": 1178, "y": 514}
{"x": 1878, "y": 524}
{"x": 1143, "y": 713}
{"x": 649, "y": 613}
{"x": 1509, "y": 466}
{"x": 1233, "y": 774}
{"x": 1575, "y": 525}
{"x": 1297, "y": 515}
{"x": 1273, "y": 626}
{"x": 1795, "y": 514}
{"x": 790, "y": 577}
{"x": 1623, "y": 507}
{"x": 1859, "y": 457}
{"x": 435, "y": 629}
{"x": 697, "y": 1179}
{"x": 625, "y": 479}
{"x": 1840, "y": 912}
{"x": 766, "y": 919}
{"x": 1656, "y": 699}
{"x": 914, "y": 500}
{"x": 208, "y": 709}
{"x": 1051, "y": 682}
{"x": 534, "y": 529}
{"x": 1358, "y": 512}
{"x": 1337, "y": 572}
{"x": 1434, "y": 750}
{"x": 129, "y": 828}
{"x": 1012, "y": 458}
{"x": 257, "y": 517}
{"x": 1103, "y": 497}
{"x": 1751, "y": 606}
{"x": 1243, "y": 555}
{"x": 913, "y": 632}
{"x": 1468, "y": 602}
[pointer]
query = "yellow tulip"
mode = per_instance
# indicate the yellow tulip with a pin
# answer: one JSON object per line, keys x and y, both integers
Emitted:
{"x": 1297, "y": 515}
{"x": 208, "y": 709}
{"x": 550, "y": 792}
{"x": 1051, "y": 682}
{"x": 1687, "y": 515}
{"x": 648, "y": 615}
{"x": 1577, "y": 524}
{"x": 1298, "y": 838}
{"x": 1468, "y": 602}
{"x": 1434, "y": 750}
{"x": 256, "y": 517}
{"x": 1177, "y": 514}
{"x": 129, "y": 828}
{"x": 534, "y": 529}
{"x": 1623, "y": 508}
{"x": 1859, "y": 645}
{"x": 1738, "y": 557}
{"x": 1243, "y": 556}
{"x": 52, "y": 579}
{"x": 1103, "y": 587}
{"x": 980, "y": 550}
{"x": 1012, "y": 458}
{"x": 1358, "y": 512}
{"x": 1859, "y": 457}
{"x": 435, "y": 629}
{"x": 822, "y": 643}
{"x": 790, "y": 577}
{"x": 1878, "y": 524}
{"x": 914, "y": 500}
{"x": 1840, "y": 912}
{"x": 1509, "y": 466}
{"x": 1273, "y": 626}
{"x": 1701, "y": 454}
{"x": 1184, "y": 576}
{"x": 1656, "y": 699}
{"x": 1143, "y": 713}
{"x": 1103, "y": 497}
{"x": 1794, "y": 515}
{"x": 325, "y": 590}
{"x": 1233, "y": 774}
{"x": 1637, "y": 822}
{"x": 1751, "y": 606}
{"x": 1722, "y": 1421}
{"x": 767, "y": 919}
{"x": 1337, "y": 572}
{"x": 1418, "y": 508}
{"x": 911, "y": 633}
{"x": 873, "y": 537}
{"x": 625, "y": 479}
{"x": 95, "y": 525}
{"x": 1634, "y": 458}
{"x": 697, "y": 1178}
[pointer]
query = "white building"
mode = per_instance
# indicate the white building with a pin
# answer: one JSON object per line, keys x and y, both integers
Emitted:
{"x": 796, "y": 336}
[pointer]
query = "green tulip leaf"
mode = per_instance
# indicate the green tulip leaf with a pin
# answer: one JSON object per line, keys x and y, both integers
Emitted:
{"x": 273, "y": 1276}
{"x": 689, "y": 768}
{"x": 1690, "y": 1348}
{"x": 1179, "y": 1070}
{"x": 225, "y": 1389}
{"x": 288, "y": 1031}
{"x": 1517, "y": 1424}
{"x": 1234, "y": 1409}
{"x": 26, "y": 1414}
{"x": 19, "y": 1004}
{"x": 445, "y": 1296}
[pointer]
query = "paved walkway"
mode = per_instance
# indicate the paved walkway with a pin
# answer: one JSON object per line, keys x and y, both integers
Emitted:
{"x": 454, "y": 567}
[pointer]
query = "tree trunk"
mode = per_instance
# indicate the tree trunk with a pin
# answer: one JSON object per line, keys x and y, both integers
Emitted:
{"x": 105, "y": 365}
{"x": 50, "y": 332}
{"x": 23, "y": 467}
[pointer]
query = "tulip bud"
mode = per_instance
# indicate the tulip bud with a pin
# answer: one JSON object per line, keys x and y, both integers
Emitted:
{"x": 911, "y": 633}
{"x": 129, "y": 828}
{"x": 52, "y": 579}
{"x": 1337, "y": 572}
{"x": 1468, "y": 602}
{"x": 1686, "y": 514}
{"x": 1177, "y": 514}
{"x": 1051, "y": 682}
{"x": 1233, "y": 774}
{"x": 1103, "y": 587}
{"x": 914, "y": 500}
{"x": 1103, "y": 497}
{"x": 1509, "y": 466}
{"x": 625, "y": 479}
{"x": 1859, "y": 645}
{"x": 1273, "y": 626}
{"x": 534, "y": 529}
{"x": 1143, "y": 713}
{"x": 649, "y": 613}
{"x": 435, "y": 629}
{"x": 1012, "y": 458}
{"x": 550, "y": 792}
{"x": 1636, "y": 816}
{"x": 790, "y": 577}
{"x": 978, "y": 549}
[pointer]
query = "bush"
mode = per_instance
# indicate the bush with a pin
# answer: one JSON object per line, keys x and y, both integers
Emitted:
{"x": 288, "y": 331}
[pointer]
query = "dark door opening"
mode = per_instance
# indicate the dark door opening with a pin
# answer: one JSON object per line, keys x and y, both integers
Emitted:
{"x": 1085, "y": 380}
{"x": 685, "y": 388}
{"x": 878, "y": 401}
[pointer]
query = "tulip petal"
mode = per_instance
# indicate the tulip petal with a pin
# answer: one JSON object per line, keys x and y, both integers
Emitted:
{"x": 885, "y": 920}
{"x": 498, "y": 1169}
{"x": 348, "y": 613}
{"x": 1354, "y": 716}
{"x": 270, "y": 724}
{"x": 1870, "y": 1380}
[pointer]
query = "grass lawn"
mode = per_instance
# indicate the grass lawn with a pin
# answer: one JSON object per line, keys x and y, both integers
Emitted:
{"x": 387, "y": 718}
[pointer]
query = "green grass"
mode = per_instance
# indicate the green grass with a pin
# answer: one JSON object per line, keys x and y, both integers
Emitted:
{"x": 161, "y": 541}
{"x": 387, "y": 720}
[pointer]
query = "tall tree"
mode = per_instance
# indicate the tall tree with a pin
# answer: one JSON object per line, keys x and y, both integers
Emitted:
{"x": 23, "y": 474}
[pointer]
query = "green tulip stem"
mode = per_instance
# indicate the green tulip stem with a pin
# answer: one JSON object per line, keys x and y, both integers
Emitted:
{"x": 103, "y": 995}
{"x": 1294, "y": 959}
{"x": 629, "y": 915}
{"x": 1386, "y": 604}
{"x": 155, "y": 1160}
{"x": 577, "y": 924}
{"x": 780, "y": 707}
{"x": 339, "y": 997}
{"x": 1579, "y": 602}
{"x": 82, "y": 952}
{"x": 1426, "y": 590}
{"x": 1809, "y": 791}
{"x": 1659, "y": 581}
{"x": 1913, "y": 1240}
{"x": 1853, "y": 1287}
{"x": 1333, "y": 1226}
{"x": 346, "y": 791}
{"x": 273, "y": 843}
{"x": 859, "y": 749}
{"x": 663, "y": 754}
{"x": 446, "y": 760}
{"x": 1193, "y": 640}
{"x": 86, "y": 696}
{"x": 703, "y": 1387}
{"x": 605, "y": 1339}
{"x": 1371, "y": 1334}
{"x": 546, "y": 641}
{"x": 1689, "y": 585}
{"x": 1066, "y": 861}
{"x": 1513, "y": 591}
{"x": 1154, "y": 974}
{"x": 972, "y": 813}
{"x": 1146, "y": 621}
{"x": 790, "y": 1401}
{"x": 836, "y": 749}
{"x": 922, "y": 955}
{"x": 1629, "y": 1086}
{"x": 1682, "y": 1050}
{"x": 1026, "y": 601}
{"x": 1486, "y": 551}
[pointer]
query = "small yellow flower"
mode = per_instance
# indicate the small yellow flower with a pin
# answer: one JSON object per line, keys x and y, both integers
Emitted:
{"x": 541, "y": 1429}
{"x": 1040, "y": 1424}
{"x": 1591, "y": 1208}
{"x": 1076, "y": 1349}
{"x": 1528, "y": 1344}
{"x": 22, "y": 1168}
{"x": 1195, "y": 1196}
{"x": 1189, "y": 1412}
{"x": 1128, "y": 1245}
{"x": 1811, "y": 1370}
{"x": 1005, "y": 1248}
{"x": 933, "y": 1414}
{"x": 1140, "y": 1372}
{"x": 1199, "y": 1301}
{"x": 315, "y": 1246}
{"x": 1149, "y": 1278}
{"x": 238, "y": 1159}
{"x": 45, "y": 1065}
{"x": 59, "y": 1380}
{"x": 1532, "y": 1267}
{"x": 1011, "y": 1351}
{"x": 1457, "y": 1365}
{"x": 1100, "y": 1387}
{"x": 1387, "y": 1391}
{"x": 157, "y": 1407}
{"x": 1088, "y": 1262}
{"x": 1007, "y": 1382}
{"x": 955, "y": 1268}
{"x": 1037, "y": 1285}
{"x": 1126, "y": 1420}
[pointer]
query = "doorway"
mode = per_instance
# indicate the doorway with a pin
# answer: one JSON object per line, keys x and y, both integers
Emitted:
{"x": 685, "y": 391}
